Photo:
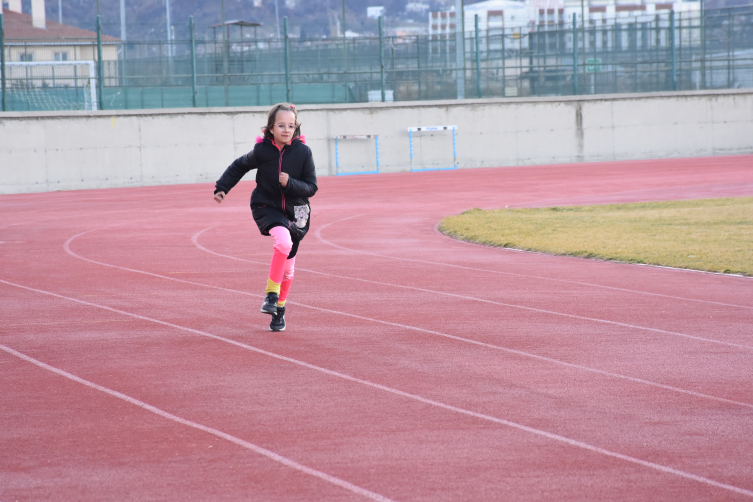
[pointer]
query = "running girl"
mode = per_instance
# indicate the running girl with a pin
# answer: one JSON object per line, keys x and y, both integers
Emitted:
{"x": 285, "y": 179}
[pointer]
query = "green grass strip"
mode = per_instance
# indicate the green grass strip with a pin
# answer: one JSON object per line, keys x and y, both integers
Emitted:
{"x": 714, "y": 235}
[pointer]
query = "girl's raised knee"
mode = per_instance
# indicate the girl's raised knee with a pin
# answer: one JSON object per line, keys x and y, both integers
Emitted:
{"x": 283, "y": 241}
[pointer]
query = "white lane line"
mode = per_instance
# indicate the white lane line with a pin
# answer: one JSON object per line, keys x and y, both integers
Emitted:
{"x": 414, "y": 397}
{"x": 195, "y": 237}
{"x": 86, "y": 215}
{"x": 402, "y": 326}
{"x": 318, "y": 235}
{"x": 215, "y": 432}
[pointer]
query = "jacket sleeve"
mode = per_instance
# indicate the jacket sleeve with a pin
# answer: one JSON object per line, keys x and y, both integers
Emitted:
{"x": 235, "y": 172}
{"x": 306, "y": 186}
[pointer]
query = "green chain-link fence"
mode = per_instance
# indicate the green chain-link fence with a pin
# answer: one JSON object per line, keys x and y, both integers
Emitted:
{"x": 666, "y": 51}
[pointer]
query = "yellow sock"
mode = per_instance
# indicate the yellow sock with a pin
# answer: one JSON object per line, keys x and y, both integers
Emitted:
{"x": 272, "y": 287}
{"x": 281, "y": 303}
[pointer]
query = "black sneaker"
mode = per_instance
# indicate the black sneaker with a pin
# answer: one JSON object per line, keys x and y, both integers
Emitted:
{"x": 270, "y": 304}
{"x": 278, "y": 320}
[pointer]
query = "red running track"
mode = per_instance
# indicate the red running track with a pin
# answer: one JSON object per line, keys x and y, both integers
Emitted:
{"x": 136, "y": 366}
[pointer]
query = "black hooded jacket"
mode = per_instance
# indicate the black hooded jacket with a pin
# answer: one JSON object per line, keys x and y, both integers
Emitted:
{"x": 272, "y": 204}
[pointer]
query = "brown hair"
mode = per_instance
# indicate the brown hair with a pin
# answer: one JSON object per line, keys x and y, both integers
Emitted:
{"x": 272, "y": 115}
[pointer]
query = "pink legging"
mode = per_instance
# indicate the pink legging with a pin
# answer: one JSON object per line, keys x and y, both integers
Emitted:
{"x": 282, "y": 269}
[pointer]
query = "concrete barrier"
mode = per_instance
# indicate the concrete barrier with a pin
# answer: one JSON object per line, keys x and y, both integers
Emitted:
{"x": 45, "y": 151}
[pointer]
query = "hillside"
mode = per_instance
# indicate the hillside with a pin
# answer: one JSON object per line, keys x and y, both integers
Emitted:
{"x": 145, "y": 19}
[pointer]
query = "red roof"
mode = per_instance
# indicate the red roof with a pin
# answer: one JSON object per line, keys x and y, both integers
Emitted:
{"x": 19, "y": 27}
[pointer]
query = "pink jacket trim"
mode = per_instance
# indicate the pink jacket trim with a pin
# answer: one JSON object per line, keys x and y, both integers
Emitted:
{"x": 260, "y": 139}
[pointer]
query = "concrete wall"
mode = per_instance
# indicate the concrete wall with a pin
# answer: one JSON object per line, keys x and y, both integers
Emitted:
{"x": 76, "y": 150}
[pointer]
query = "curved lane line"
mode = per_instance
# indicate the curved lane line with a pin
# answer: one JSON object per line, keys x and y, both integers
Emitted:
{"x": 510, "y": 305}
{"x": 195, "y": 237}
{"x": 407, "y": 395}
{"x": 318, "y": 235}
{"x": 215, "y": 432}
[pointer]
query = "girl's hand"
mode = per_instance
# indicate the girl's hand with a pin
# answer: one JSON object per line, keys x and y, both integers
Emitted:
{"x": 219, "y": 196}
{"x": 284, "y": 179}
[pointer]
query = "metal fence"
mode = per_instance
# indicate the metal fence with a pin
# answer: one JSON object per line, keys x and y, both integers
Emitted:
{"x": 665, "y": 51}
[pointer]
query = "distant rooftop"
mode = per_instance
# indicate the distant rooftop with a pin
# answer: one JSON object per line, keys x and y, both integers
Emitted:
{"x": 19, "y": 27}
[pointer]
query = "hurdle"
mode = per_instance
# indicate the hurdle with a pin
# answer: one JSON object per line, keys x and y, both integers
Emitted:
{"x": 452, "y": 128}
{"x": 363, "y": 136}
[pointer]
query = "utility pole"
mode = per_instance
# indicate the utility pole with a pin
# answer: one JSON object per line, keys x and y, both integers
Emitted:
{"x": 60, "y": 11}
{"x": 343, "y": 19}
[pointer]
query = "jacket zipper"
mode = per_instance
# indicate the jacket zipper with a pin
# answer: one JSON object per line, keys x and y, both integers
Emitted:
{"x": 279, "y": 172}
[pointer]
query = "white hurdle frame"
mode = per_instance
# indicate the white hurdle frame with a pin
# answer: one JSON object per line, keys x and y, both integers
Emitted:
{"x": 453, "y": 128}
{"x": 90, "y": 64}
{"x": 355, "y": 136}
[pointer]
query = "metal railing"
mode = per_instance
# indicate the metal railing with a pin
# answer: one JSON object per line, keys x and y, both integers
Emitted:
{"x": 665, "y": 51}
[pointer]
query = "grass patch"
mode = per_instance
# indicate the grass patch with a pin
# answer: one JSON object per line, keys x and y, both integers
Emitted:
{"x": 714, "y": 235}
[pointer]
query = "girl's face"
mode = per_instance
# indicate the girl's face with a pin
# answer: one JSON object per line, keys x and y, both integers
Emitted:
{"x": 284, "y": 127}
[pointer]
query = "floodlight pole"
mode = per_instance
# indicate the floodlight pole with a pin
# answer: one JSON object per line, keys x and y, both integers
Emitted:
{"x": 122, "y": 22}
{"x": 169, "y": 37}
{"x": 277, "y": 19}
{"x": 343, "y": 19}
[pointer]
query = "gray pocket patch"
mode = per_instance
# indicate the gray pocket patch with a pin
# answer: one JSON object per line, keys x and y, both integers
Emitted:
{"x": 301, "y": 215}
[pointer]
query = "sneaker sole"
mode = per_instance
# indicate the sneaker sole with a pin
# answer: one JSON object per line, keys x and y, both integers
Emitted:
{"x": 276, "y": 330}
{"x": 270, "y": 312}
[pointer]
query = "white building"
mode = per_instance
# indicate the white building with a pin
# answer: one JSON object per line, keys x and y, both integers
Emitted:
{"x": 513, "y": 14}
{"x": 497, "y": 14}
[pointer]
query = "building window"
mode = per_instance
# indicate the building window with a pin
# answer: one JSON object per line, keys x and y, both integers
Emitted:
{"x": 26, "y": 56}
{"x": 61, "y": 56}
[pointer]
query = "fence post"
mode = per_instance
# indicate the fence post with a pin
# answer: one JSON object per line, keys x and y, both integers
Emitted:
{"x": 673, "y": 48}
{"x": 2, "y": 60}
{"x": 703, "y": 47}
{"x": 100, "y": 85}
{"x": 381, "y": 58}
{"x": 729, "y": 47}
{"x": 575, "y": 54}
{"x": 478, "y": 59}
{"x": 194, "y": 97}
{"x": 287, "y": 61}
{"x": 459, "y": 48}
{"x": 504, "y": 65}
{"x": 418, "y": 63}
